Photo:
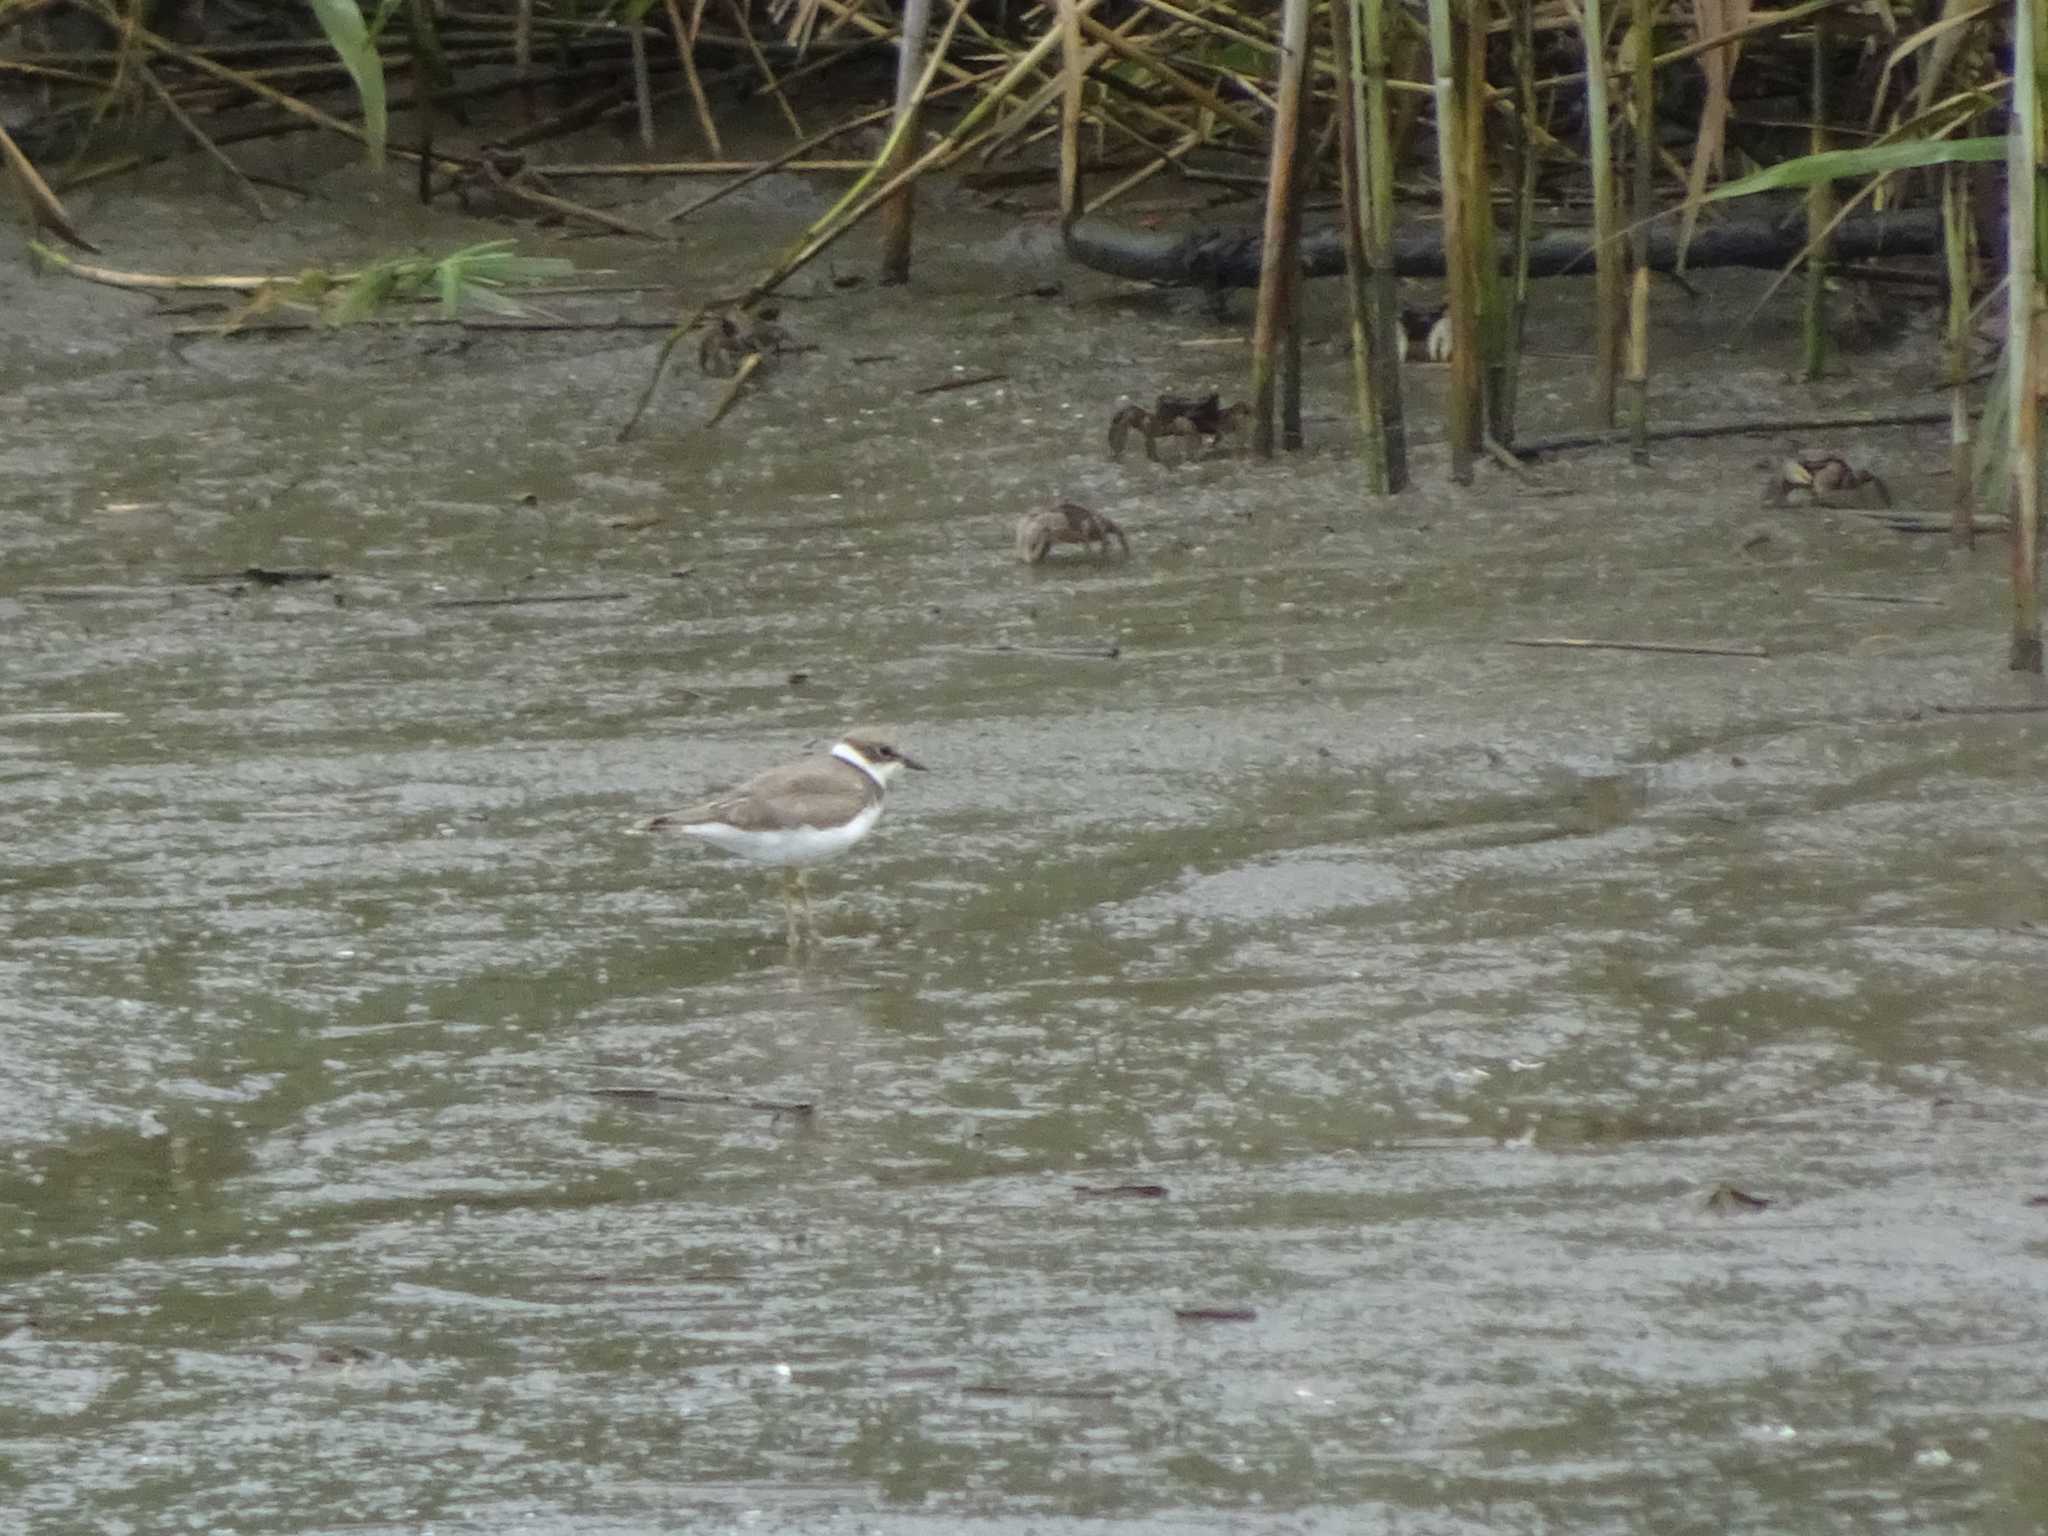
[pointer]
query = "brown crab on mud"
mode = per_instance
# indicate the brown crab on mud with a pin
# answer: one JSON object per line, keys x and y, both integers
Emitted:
{"x": 1067, "y": 523}
{"x": 1202, "y": 418}
{"x": 729, "y": 341}
{"x": 1822, "y": 479}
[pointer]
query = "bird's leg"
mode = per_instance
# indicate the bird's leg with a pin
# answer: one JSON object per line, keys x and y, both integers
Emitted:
{"x": 792, "y": 883}
{"x": 803, "y": 891}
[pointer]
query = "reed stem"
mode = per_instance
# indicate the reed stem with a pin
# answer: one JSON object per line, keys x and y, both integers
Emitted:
{"x": 900, "y": 212}
{"x": 1507, "y": 389}
{"x": 1606, "y": 227}
{"x": 2023, "y": 336}
{"x": 1463, "y": 422}
{"x": 1073, "y": 69}
{"x": 1820, "y": 211}
{"x": 1643, "y": 162}
{"x": 1351, "y": 180}
{"x": 1280, "y": 262}
{"x": 1957, "y": 239}
{"x": 1385, "y": 307}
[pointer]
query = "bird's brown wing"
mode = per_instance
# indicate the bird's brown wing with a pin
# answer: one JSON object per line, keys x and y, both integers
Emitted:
{"x": 817, "y": 792}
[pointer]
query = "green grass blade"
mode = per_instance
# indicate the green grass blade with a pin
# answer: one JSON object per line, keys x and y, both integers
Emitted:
{"x": 1848, "y": 164}
{"x": 342, "y": 20}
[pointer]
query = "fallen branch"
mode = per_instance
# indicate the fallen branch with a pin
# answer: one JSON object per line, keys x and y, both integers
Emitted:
{"x": 1228, "y": 257}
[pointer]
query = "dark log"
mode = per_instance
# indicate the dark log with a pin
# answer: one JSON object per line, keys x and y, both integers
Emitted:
{"x": 1228, "y": 257}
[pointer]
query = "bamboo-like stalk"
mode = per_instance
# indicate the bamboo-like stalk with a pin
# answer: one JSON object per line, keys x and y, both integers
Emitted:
{"x": 686, "y": 55}
{"x": 1957, "y": 238}
{"x": 1477, "y": 375}
{"x": 1073, "y": 68}
{"x": 1290, "y": 336}
{"x": 899, "y": 213}
{"x": 643, "y": 89}
{"x": 1644, "y": 158}
{"x": 1606, "y": 228}
{"x": 1506, "y": 393}
{"x": 1280, "y": 268}
{"x": 767, "y": 70}
{"x": 2023, "y": 337}
{"x": 1351, "y": 186}
{"x": 1463, "y": 424}
{"x": 1820, "y": 209}
{"x": 1379, "y": 237}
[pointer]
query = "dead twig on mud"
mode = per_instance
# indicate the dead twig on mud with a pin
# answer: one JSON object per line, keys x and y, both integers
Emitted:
{"x": 969, "y": 382}
{"x": 1530, "y": 448}
{"x": 419, "y": 322}
{"x": 1878, "y": 597}
{"x": 536, "y": 599}
{"x": 748, "y": 365}
{"x": 42, "y": 202}
{"x": 803, "y": 1108}
{"x": 1661, "y": 647}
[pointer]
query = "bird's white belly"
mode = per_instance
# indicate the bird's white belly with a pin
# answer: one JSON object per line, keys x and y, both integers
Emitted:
{"x": 794, "y": 845}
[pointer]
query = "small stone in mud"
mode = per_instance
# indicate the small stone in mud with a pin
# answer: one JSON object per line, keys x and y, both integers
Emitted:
{"x": 798, "y": 679}
{"x": 1727, "y": 1198}
{"x": 1738, "y": 760}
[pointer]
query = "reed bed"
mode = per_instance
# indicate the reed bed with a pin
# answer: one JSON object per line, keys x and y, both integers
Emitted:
{"x": 1406, "y": 119}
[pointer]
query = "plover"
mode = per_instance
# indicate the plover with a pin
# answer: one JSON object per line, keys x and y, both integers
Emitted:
{"x": 800, "y": 813}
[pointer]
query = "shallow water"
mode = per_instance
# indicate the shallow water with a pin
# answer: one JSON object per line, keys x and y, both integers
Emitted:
{"x": 1438, "y": 982}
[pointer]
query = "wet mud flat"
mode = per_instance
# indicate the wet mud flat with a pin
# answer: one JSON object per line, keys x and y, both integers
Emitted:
{"x": 1276, "y": 1076}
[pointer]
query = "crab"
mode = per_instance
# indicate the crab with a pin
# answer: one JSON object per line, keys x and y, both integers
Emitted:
{"x": 1067, "y": 523}
{"x": 1824, "y": 479}
{"x": 1424, "y": 333}
{"x": 1201, "y": 417}
{"x": 728, "y": 342}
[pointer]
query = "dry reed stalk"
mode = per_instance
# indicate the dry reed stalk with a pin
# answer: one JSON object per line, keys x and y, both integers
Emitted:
{"x": 767, "y": 71}
{"x": 1643, "y": 161}
{"x": 193, "y": 131}
{"x": 1072, "y": 69}
{"x": 1481, "y": 375}
{"x": 1714, "y": 23}
{"x": 1957, "y": 237}
{"x": 900, "y": 212}
{"x": 1505, "y": 394}
{"x": 1193, "y": 91}
{"x": 686, "y": 55}
{"x": 1280, "y": 263}
{"x": 1379, "y": 237}
{"x": 1351, "y": 185}
{"x": 1463, "y": 425}
{"x": 1819, "y": 210}
{"x": 1606, "y": 227}
{"x": 643, "y": 86}
{"x": 2024, "y": 337}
